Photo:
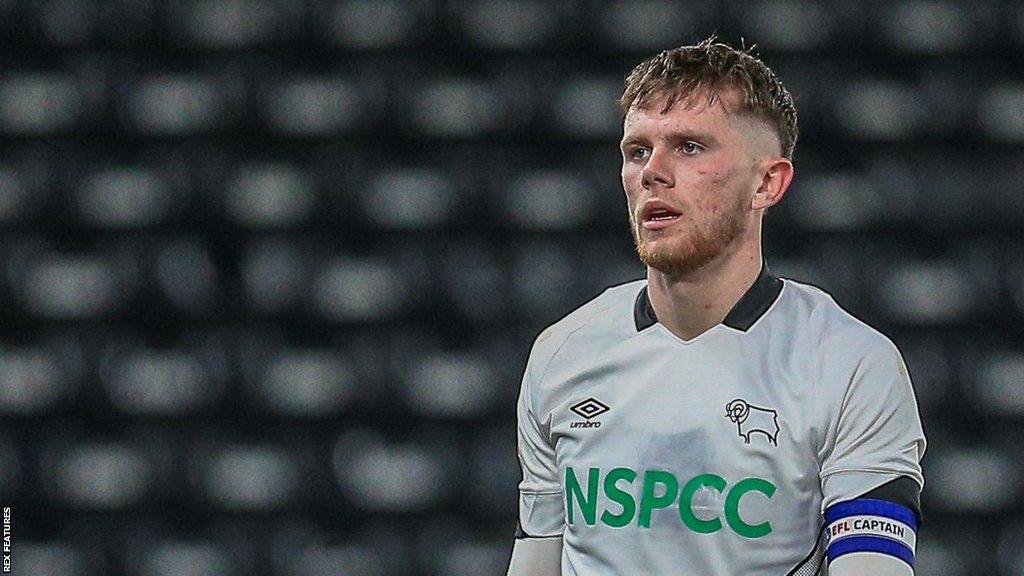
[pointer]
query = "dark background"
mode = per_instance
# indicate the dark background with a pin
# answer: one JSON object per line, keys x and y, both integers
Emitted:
{"x": 270, "y": 269}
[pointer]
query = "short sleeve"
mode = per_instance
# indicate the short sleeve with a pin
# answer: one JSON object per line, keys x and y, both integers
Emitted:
{"x": 540, "y": 497}
{"x": 876, "y": 436}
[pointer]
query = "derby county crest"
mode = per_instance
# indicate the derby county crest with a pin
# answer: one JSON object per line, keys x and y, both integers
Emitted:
{"x": 750, "y": 419}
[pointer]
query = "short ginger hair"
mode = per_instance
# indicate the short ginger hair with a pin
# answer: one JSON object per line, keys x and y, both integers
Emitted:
{"x": 711, "y": 67}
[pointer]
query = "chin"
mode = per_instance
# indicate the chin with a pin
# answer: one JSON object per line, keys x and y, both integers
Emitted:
{"x": 678, "y": 252}
{"x": 679, "y": 260}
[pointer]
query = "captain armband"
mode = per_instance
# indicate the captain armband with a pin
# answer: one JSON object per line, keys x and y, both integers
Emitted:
{"x": 869, "y": 525}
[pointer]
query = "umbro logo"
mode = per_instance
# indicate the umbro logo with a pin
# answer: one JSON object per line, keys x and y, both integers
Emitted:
{"x": 589, "y": 409}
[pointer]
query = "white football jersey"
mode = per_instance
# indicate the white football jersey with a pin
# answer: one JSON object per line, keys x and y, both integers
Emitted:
{"x": 654, "y": 455}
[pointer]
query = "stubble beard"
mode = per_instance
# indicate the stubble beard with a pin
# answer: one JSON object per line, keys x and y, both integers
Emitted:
{"x": 690, "y": 249}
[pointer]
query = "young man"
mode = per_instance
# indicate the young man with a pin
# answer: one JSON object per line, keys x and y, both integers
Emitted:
{"x": 713, "y": 419}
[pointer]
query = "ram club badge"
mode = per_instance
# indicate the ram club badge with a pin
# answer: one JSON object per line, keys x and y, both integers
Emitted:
{"x": 749, "y": 419}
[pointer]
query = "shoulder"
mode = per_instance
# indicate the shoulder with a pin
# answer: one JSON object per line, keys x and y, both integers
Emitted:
{"x": 838, "y": 333}
{"x": 846, "y": 355}
{"x": 607, "y": 317}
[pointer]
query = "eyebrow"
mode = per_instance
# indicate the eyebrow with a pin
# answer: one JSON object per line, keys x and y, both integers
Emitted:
{"x": 682, "y": 135}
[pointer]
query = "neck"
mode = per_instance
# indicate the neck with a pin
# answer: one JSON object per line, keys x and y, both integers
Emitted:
{"x": 691, "y": 304}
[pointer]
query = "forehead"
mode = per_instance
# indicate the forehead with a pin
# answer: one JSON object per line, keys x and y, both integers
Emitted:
{"x": 724, "y": 119}
{"x": 696, "y": 110}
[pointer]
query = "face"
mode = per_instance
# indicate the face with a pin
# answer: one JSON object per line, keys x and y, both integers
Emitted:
{"x": 690, "y": 177}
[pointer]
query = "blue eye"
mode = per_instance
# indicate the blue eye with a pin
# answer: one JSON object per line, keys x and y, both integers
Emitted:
{"x": 638, "y": 153}
{"x": 690, "y": 148}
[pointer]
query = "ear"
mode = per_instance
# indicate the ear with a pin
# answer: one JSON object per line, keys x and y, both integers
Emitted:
{"x": 777, "y": 175}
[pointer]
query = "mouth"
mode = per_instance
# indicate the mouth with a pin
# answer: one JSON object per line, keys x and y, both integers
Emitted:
{"x": 658, "y": 214}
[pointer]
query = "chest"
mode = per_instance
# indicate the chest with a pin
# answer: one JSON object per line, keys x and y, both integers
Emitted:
{"x": 721, "y": 409}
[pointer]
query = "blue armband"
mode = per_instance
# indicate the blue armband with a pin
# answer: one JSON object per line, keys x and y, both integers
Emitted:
{"x": 869, "y": 525}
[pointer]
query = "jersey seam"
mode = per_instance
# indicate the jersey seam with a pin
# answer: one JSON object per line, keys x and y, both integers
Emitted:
{"x": 568, "y": 336}
{"x": 840, "y": 470}
{"x": 841, "y": 417}
{"x": 824, "y": 474}
{"x": 816, "y": 395}
{"x": 532, "y": 412}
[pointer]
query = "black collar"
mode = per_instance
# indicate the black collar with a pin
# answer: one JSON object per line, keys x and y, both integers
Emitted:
{"x": 750, "y": 307}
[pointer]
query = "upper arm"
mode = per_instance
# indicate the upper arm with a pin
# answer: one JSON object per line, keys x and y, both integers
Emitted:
{"x": 540, "y": 497}
{"x": 871, "y": 475}
{"x": 537, "y": 550}
{"x": 875, "y": 434}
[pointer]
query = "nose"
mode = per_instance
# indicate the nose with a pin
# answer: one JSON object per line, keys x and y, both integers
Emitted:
{"x": 656, "y": 173}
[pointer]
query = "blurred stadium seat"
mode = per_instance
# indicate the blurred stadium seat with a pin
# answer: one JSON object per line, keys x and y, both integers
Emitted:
{"x": 380, "y": 476}
{"x": 312, "y": 106}
{"x": 40, "y": 103}
{"x": 549, "y": 200}
{"x": 176, "y": 105}
{"x": 100, "y": 475}
{"x": 225, "y": 24}
{"x": 53, "y": 559}
{"x": 999, "y": 111}
{"x": 304, "y": 382}
{"x": 648, "y": 25}
{"x": 792, "y": 24}
{"x": 248, "y": 478}
{"x": 508, "y": 24}
{"x": 357, "y": 289}
{"x": 187, "y": 558}
{"x": 123, "y": 197}
{"x": 275, "y": 195}
{"x": 272, "y": 268}
{"x": 376, "y": 24}
{"x": 31, "y": 380}
{"x": 587, "y": 107}
{"x": 927, "y": 25}
{"x": 974, "y": 479}
{"x": 409, "y": 198}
